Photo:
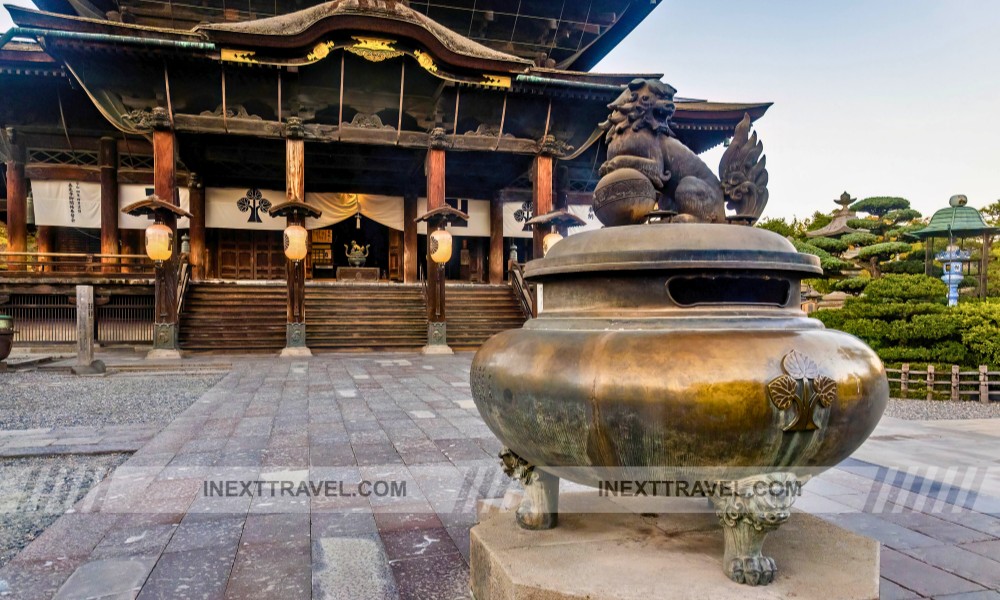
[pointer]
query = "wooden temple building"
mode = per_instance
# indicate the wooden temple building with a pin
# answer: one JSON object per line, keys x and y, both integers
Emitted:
{"x": 371, "y": 111}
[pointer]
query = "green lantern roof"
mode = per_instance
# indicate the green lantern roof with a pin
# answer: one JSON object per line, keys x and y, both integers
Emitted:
{"x": 957, "y": 221}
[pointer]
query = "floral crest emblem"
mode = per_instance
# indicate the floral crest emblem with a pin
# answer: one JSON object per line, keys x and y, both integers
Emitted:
{"x": 803, "y": 387}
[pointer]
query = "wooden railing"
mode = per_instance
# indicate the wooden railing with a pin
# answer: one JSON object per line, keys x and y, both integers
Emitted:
{"x": 523, "y": 291}
{"x": 953, "y": 384}
{"x": 46, "y": 264}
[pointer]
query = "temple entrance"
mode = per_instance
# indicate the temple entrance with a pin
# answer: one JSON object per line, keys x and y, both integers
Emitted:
{"x": 330, "y": 247}
{"x": 245, "y": 254}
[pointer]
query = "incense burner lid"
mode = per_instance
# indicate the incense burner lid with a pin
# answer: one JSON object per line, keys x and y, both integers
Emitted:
{"x": 673, "y": 247}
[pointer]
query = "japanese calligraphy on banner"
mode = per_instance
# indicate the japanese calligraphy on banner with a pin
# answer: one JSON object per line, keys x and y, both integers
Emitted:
{"x": 78, "y": 204}
{"x": 585, "y": 212}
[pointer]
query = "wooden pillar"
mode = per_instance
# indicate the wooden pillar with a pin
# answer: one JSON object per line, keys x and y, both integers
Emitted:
{"x": 542, "y": 193}
{"x": 197, "y": 227}
{"x": 410, "y": 237}
{"x": 496, "y": 240}
{"x": 295, "y": 191}
{"x": 435, "y": 170}
{"x": 166, "y": 278}
{"x": 437, "y": 332}
{"x": 17, "y": 197}
{"x": 108, "y": 156}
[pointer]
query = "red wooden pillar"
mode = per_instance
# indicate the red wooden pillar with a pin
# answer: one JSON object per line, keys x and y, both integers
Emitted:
{"x": 197, "y": 228}
{"x": 410, "y": 237}
{"x": 437, "y": 335}
{"x": 496, "y": 240}
{"x": 542, "y": 193}
{"x": 165, "y": 187}
{"x": 109, "y": 200}
{"x": 17, "y": 197}
{"x": 295, "y": 191}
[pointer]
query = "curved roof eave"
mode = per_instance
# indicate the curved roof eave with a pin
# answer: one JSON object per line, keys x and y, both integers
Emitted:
{"x": 305, "y": 27}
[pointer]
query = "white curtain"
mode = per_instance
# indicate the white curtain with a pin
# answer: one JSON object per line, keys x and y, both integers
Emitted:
{"x": 479, "y": 217}
{"x": 78, "y": 204}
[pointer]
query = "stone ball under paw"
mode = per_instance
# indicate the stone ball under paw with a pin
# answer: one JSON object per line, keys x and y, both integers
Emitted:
{"x": 624, "y": 197}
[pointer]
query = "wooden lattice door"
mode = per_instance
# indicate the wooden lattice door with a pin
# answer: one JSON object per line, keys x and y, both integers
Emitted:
{"x": 251, "y": 255}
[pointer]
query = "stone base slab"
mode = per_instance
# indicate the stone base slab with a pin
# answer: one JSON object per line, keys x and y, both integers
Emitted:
{"x": 296, "y": 352}
{"x": 602, "y": 550}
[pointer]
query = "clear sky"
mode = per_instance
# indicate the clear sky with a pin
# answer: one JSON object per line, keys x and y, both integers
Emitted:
{"x": 876, "y": 97}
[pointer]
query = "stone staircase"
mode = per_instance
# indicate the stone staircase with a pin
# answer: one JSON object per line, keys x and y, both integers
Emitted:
{"x": 476, "y": 312}
{"x": 231, "y": 317}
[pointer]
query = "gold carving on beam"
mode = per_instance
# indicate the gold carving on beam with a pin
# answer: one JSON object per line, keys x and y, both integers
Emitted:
{"x": 240, "y": 56}
{"x": 496, "y": 81}
{"x": 374, "y": 49}
{"x": 425, "y": 61}
{"x": 319, "y": 52}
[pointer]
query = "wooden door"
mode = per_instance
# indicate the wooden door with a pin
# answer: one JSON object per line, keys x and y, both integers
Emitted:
{"x": 395, "y": 255}
{"x": 250, "y": 255}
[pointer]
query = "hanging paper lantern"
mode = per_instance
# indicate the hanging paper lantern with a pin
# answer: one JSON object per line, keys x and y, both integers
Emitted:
{"x": 295, "y": 242}
{"x": 548, "y": 241}
{"x": 159, "y": 242}
{"x": 440, "y": 246}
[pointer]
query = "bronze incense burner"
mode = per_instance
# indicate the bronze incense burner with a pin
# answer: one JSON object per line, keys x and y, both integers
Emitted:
{"x": 677, "y": 352}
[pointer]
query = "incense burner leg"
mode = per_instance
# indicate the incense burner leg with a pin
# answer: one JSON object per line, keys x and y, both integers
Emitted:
{"x": 757, "y": 507}
{"x": 539, "y": 508}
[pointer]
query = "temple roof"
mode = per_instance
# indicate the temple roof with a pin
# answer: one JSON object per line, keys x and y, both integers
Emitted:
{"x": 957, "y": 221}
{"x": 308, "y": 25}
{"x": 559, "y": 33}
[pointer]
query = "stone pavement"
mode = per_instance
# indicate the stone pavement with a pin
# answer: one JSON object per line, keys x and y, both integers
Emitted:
{"x": 357, "y": 476}
{"x": 48, "y": 441}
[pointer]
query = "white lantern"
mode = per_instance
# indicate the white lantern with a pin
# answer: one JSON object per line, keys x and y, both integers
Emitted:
{"x": 159, "y": 242}
{"x": 440, "y": 246}
{"x": 550, "y": 240}
{"x": 295, "y": 242}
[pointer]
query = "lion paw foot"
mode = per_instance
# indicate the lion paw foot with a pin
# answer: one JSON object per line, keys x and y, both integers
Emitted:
{"x": 752, "y": 570}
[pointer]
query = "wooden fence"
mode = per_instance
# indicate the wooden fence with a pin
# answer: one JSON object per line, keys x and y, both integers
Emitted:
{"x": 954, "y": 384}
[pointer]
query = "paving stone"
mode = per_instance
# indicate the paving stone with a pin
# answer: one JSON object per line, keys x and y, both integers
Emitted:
{"x": 987, "y": 595}
{"x": 886, "y": 532}
{"x": 888, "y": 590}
{"x": 200, "y": 531}
{"x": 271, "y": 571}
{"x": 439, "y": 577}
{"x": 138, "y": 542}
{"x": 351, "y": 567}
{"x": 961, "y": 562}
{"x": 106, "y": 578}
{"x": 200, "y": 574}
{"x": 922, "y": 578}
{"x": 990, "y": 549}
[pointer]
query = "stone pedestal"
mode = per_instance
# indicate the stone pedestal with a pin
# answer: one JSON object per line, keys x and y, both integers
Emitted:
{"x": 295, "y": 341}
{"x": 437, "y": 339}
{"x": 603, "y": 551}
